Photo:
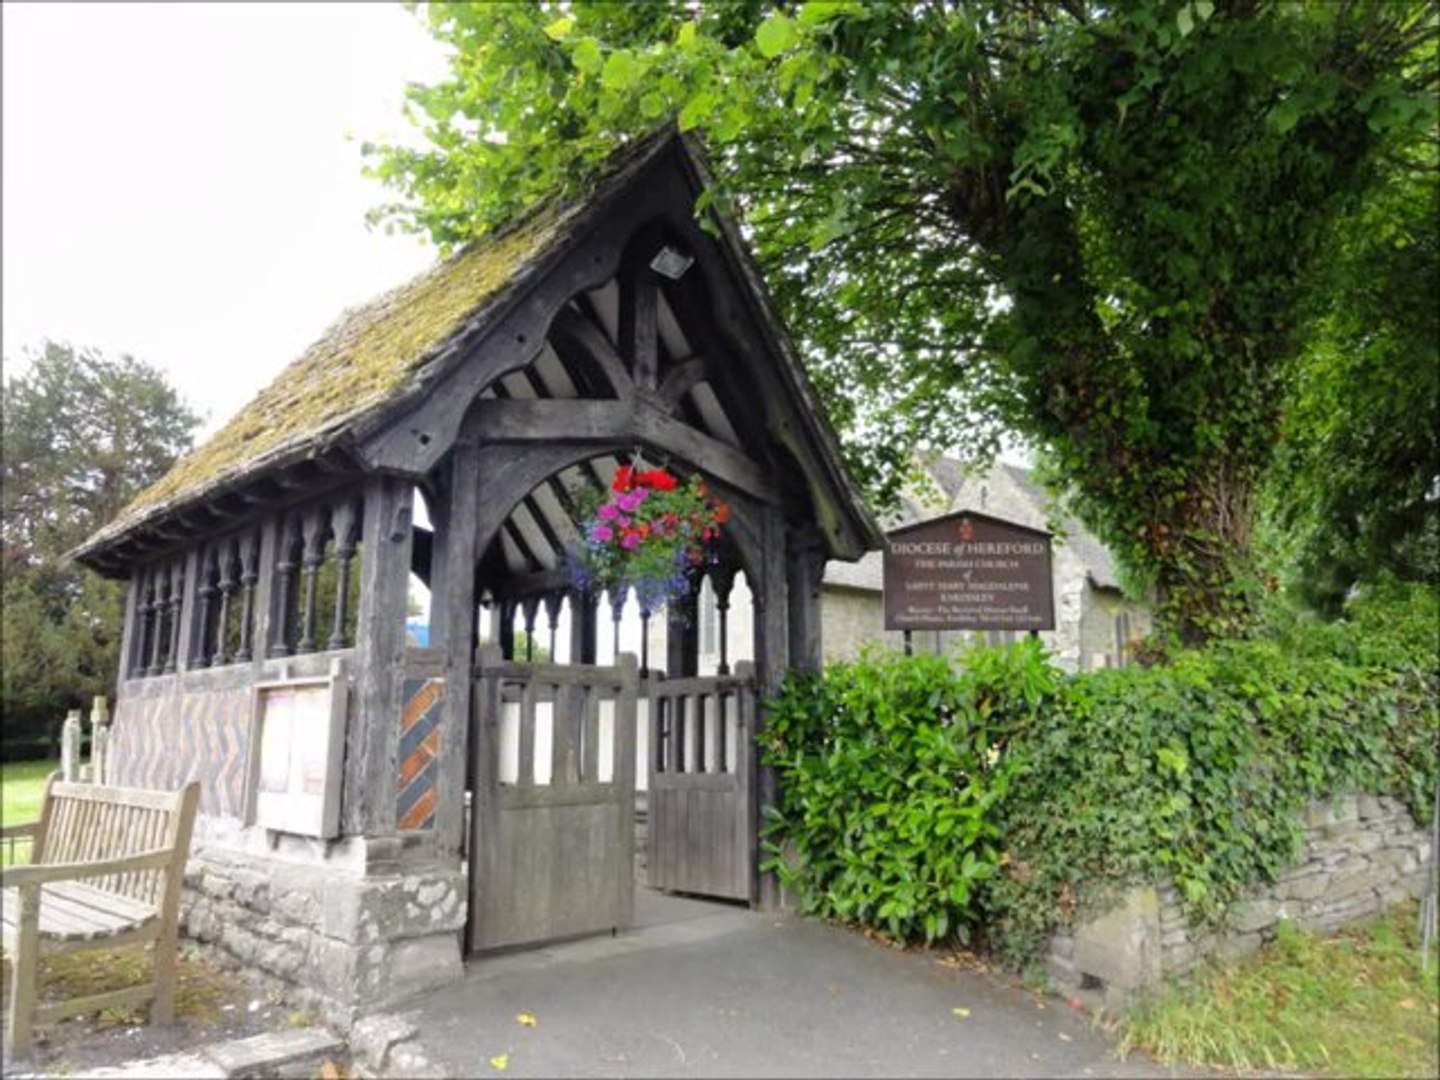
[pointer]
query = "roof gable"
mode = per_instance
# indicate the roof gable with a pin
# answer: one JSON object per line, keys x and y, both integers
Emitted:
{"x": 376, "y": 362}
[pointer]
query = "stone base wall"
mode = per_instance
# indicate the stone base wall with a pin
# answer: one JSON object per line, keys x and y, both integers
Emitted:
{"x": 346, "y": 942}
{"x": 1361, "y": 854}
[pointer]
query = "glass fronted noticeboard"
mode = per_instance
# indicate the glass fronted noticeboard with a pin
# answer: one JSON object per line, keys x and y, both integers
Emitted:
{"x": 297, "y": 749}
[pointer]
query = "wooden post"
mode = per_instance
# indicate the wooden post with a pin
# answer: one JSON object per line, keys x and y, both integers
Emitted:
{"x": 132, "y": 631}
{"x": 772, "y": 642}
{"x": 453, "y": 611}
{"x": 682, "y": 637}
{"x": 639, "y": 300}
{"x": 99, "y": 738}
{"x": 70, "y": 746}
{"x": 23, "y": 974}
{"x": 584, "y": 611}
{"x": 805, "y": 568}
{"x": 373, "y": 740}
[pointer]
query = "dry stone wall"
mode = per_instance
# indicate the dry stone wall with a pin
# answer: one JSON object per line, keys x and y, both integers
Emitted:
{"x": 344, "y": 941}
{"x": 1361, "y": 854}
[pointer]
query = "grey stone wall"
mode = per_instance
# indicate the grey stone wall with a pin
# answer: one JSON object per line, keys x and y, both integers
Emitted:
{"x": 1361, "y": 854}
{"x": 344, "y": 941}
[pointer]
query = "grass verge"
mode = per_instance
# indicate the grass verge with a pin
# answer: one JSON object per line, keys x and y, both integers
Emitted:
{"x": 1351, "y": 1004}
{"x": 22, "y": 785}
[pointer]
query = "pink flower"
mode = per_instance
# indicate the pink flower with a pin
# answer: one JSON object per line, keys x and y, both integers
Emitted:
{"x": 630, "y": 541}
{"x": 631, "y": 500}
{"x": 603, "y": 532}
{"x": 609, "y": 511}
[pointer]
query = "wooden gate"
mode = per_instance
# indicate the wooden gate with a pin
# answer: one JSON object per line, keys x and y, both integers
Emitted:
{"x": 553, "y": 825}
{"x": 702, "y": 824}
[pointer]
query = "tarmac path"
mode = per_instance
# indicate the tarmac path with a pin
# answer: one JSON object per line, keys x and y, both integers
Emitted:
{"x": 706, "y": 990}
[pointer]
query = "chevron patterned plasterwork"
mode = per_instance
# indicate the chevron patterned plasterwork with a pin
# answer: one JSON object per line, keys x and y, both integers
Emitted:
{"x": 161, "y": 742}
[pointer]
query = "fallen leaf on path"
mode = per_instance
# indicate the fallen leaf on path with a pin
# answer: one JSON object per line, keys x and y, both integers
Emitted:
{"x": 527, "y": 1020}
{"x": 329, "y": 1070}
{"x": 500, "y": 1062}
{"x": 961, "y": 1013}
{"x": 1063, "y": 1036}
{"x": 1407, "y": 1003}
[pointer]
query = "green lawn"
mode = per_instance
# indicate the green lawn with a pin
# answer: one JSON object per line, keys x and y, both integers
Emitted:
{"x": 22, "y": 783}
{"x": 1349, "y": 1004}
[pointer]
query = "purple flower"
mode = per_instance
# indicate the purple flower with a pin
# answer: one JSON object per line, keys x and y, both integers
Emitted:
{"x": 603, "y": 532}
{"x": 608, "y": 511}
{"x": 630, "y": 541}
{"x": 630, "y": 501}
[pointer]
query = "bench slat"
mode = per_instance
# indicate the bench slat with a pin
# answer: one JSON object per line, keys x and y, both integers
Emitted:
{"x": 60, "y": 917}
{"x": 83, "y": 894}
{"x": 63, "y": 916}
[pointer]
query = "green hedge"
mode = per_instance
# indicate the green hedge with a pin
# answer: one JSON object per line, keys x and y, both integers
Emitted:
{"x": 928, "y": 800}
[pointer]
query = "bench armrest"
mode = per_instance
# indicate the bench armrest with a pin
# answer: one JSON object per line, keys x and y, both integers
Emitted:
{"x": 16, "y": 832}
{"x": 21, "y": 876}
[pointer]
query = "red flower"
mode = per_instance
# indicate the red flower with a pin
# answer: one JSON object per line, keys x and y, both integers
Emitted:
{"x": 658, "y": 479}
{"x": 624, "y": 478}
{"x": 722, "y": 513}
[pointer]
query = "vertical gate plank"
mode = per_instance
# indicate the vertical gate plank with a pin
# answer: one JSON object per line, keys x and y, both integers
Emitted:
{"x": 554, "y": 860}
{"x": 528, "y": 693}
{"x": 590, "y": 735}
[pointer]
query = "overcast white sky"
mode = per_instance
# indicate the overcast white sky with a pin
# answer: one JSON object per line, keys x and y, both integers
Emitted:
{"x": 178, "y": 183}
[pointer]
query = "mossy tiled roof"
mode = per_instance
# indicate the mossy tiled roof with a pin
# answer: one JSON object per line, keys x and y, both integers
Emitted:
{"x": 358, "y": 364}
{"x": 376, "y": 357}
{"x": 369, "y": 357}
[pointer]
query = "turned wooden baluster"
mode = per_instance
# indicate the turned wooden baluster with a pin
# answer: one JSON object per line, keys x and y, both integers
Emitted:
{"x": 286, "y": 563}
{"x": 345, "y": 525}
{"x": 552, "y": 617}
{"x": 205, "y": 595}
{"x": 226, "y": 585}
{"x": 316, "y": 530}
{"x": 162, "y": 612}
{"x": 722, "y": 580}
{"x": 249, "y": 576}
{"x": 146, "y": 616}
{"x": 530, "y": 606}
{"x": 177, "y": 594}
{"x": 617, "y": 612}
{"x": 644, "y": 638}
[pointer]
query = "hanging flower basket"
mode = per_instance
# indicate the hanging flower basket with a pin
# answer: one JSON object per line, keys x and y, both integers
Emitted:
{"x": 650, "y": 531}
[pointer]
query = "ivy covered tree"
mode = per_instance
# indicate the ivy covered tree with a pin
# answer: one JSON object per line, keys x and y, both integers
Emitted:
{"x": 1097, "y": 224}
{"x": 82, "y": 436}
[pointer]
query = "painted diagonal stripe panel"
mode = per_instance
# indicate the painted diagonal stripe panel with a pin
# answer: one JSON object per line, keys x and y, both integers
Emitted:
{"x": 419, "y": 749}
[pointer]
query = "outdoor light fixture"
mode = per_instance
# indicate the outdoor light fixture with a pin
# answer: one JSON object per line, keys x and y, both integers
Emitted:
{"x": 670, "y": 262}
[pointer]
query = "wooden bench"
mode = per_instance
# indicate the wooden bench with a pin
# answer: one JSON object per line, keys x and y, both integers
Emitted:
{"x": 106, "y": 868}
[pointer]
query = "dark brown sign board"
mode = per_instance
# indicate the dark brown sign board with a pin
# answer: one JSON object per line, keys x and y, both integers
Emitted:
{"x": 968, "y": 571}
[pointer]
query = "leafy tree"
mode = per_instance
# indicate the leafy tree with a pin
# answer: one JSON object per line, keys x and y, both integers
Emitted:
{"x": 1094, "y": 223}
{"x": 1355, "y": 490}
{"x": 82, "y": 436}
